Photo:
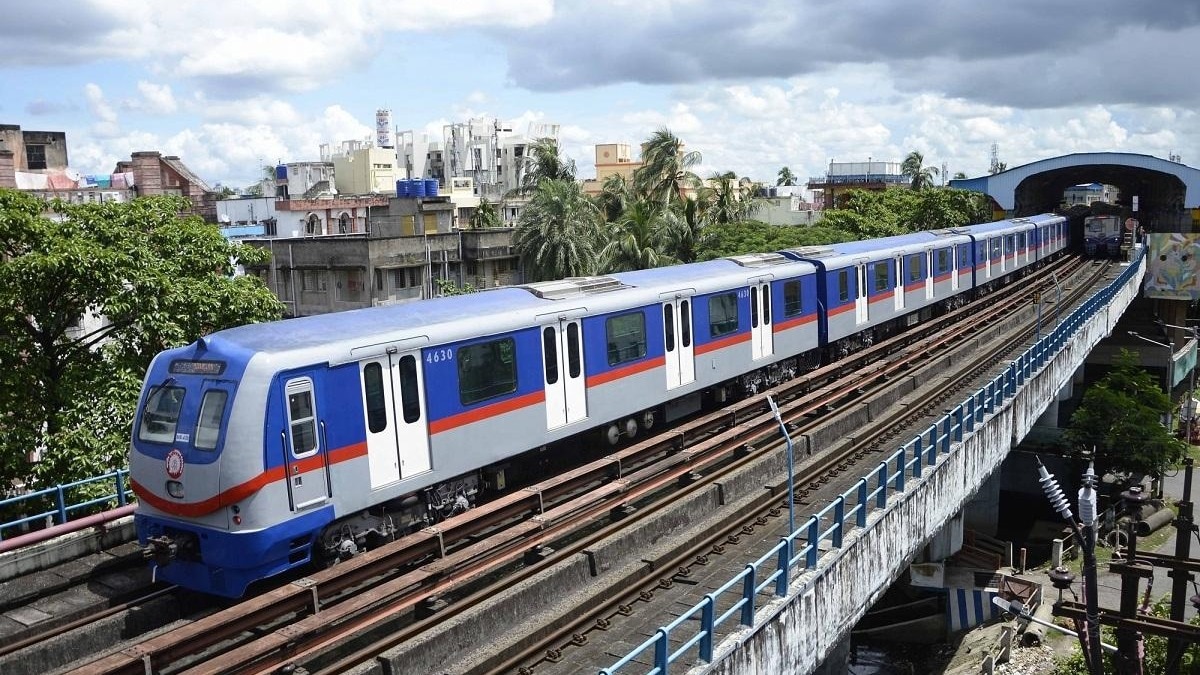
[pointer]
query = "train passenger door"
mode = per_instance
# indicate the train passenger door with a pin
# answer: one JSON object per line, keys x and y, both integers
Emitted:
{"x": 898, "y": 291}
{"x": 562, "y": 366}
{"x": 954, "y": 265}
{"x": 397, "y": 433}
{"x": 762, "y": 337}
{"x": 928, "y": 271}
{"x": 305, "y": 457}
{"x": 678, "y": 346}
{"x": 861, "y": 299}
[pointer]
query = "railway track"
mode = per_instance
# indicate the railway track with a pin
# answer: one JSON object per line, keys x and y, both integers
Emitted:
{"x": 312, "y": 620}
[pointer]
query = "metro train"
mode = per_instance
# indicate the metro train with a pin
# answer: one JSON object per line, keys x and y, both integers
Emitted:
{"x": 265, "y": 447}
{"x": 1102, "y": 236}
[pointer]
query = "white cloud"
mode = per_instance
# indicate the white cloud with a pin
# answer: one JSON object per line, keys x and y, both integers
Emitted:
{"x": 156, "y": 99}
{"x": 106, "y": 125}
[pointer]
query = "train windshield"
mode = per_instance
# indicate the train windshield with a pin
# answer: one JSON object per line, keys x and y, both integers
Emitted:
{"x": 208, "y": 427}
{"x": 160, "y": 415}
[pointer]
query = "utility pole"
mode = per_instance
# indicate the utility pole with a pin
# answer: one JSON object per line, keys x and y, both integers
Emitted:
{"x": 1181, "y": 578}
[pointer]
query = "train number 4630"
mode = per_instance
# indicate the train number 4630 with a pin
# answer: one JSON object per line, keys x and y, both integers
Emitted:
{"x": 439, "y": 355}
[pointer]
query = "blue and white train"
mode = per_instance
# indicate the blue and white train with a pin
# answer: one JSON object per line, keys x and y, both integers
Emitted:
{"x": 265, "y": 447}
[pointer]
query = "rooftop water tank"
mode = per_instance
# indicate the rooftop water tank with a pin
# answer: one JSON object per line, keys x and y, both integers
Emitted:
{"x": 402, "y": 189}
{"x": 417, "y": 187}
{"x": 281, "y": 172}
{"x": 431, "y": 187}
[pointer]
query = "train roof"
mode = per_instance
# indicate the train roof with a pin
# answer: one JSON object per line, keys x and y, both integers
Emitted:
{"x": 495, "y": 310}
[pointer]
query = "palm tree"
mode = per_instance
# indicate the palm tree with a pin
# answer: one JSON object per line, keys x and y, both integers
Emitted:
{"x": 959, "y": 175}
{"x": 542, "y": 162}
{"x": 485, "y": 215}
{"x": 556, "y": 235}
{"x": 685, "y": 234}
{"x": 921, "y": 176}
{"x": 786, "y": 177}
{"x": 615, "y": 197}
{"x": 666, "y": 172}
{"x": 728, "y": 200}
{"x": 638, "y": 240}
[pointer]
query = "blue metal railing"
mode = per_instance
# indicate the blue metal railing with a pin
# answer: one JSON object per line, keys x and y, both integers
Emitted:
{"x": 57, "y": 503}
{"x": 850, "y": 508}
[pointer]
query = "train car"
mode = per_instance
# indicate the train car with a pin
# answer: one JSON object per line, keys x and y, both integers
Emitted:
{"x": 1102, "y": 236}
{"x": 266, "y": 447}
{"x": 874, "y": 288}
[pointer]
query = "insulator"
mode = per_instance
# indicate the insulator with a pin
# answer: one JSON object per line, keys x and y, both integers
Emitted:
{"x": 1054, "y": 493}
{"x": 1087, "y": 497}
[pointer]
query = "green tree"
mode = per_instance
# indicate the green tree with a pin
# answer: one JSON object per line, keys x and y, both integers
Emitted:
{"x": 543, "y": 161}
{"x": 615, "y": 196}
{"x": 920, "y": 176}
{"x": 445, "y": 287}
{"x": 725, "y": 199}
{"x": 1120, "y": 417}
{"x": 87, "y": 298}
{"x": 638, "y": 239}
{"x": 556, "y": 235}
{"x": 786, "y": 177}
{"x": 484, "y": 216}
{"x": 666, "y": 174}
{"x": 758, "y": 237}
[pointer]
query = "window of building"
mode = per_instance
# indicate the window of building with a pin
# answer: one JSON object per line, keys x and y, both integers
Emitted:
{"x": 487, "y": 370}
{"x": 35, "y": 157}
{"x": 312, "y": 225}
{"x": 406, "y": 277}
{"x": 312, "y": 281}
{"x": 350, "y": 285}
{"x": 626, "y": 337}
{"x": 344, "y": 223}
{"x": 792, "y": 304}
{"x": 379, "y": 280}
{"x": 722, "y": 314}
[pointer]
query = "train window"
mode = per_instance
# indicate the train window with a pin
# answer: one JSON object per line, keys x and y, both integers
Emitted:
{"x": 376, "y": 398}
{"x": 410, "y": 393}
{"x": 792, "y": 304}
{"x": 754, "y": 306}
{"x": 161, "y": 414}
{"x": 1021, "y": 241}
{"x": 916, "y": 267}
{"x": 487, "y": 370}
{"x": 302, "y": 417}
{"x": 843, "y": 285}
{"x": 208, "y": 426}
{"x": 881, "y": 276}
{"x": 722, "y": 314}
{"x": 685, "y": 322}
{"x": 996, "y": 252}
{"x": 942, "y": 261}
{"x": 574, "y": 363}
{"x": 550, "y": 353}
{"x": 766, "y": 305}
{"x": 669, "y": 327}
{"x": 1010, "y": 244}
{"x": 626, "y": 337}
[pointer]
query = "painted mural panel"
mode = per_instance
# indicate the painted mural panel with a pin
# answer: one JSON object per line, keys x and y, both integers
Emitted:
{"x": 1172, "y": 272}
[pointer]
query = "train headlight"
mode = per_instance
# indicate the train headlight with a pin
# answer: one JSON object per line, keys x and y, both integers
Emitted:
{"x": 175, "y": 489}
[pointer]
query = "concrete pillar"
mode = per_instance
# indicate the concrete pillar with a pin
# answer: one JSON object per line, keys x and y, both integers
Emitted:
{"x": 982, "y": 513}
{"x": 948, "y": 540}
{"x": 1049, "y": 417}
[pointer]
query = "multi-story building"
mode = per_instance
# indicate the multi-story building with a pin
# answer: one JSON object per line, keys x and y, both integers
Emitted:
{"x": 155, "y": 174}
{"x": 611, "y": 159}
{"x": 34, "y": 151}
{"x": 846, "y": 176}
{"x": 360, "y": 169}
{"x": 304, "y": 180}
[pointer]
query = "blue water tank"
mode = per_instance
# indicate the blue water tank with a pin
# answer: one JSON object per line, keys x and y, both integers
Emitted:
{"x": 402, "y": 188}
{"x": 281, "y": 172}
{"x": 431, "y": 187}
{"x": 417, "y": 187}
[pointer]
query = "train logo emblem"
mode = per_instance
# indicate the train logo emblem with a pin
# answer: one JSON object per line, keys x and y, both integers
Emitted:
{"x": 174, "y": 463}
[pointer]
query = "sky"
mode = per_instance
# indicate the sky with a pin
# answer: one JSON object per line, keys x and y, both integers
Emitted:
{"x": 753, "y": 86}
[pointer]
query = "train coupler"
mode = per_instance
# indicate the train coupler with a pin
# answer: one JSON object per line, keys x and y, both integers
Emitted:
{"x": 160, "y": 550}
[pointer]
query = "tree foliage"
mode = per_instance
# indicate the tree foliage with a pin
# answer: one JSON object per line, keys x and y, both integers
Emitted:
{"x": 88, "y": 296}
{"x": 667, "y": 172}
{"x": 557, "y": 235}
{"x": 868, "y": 214}
{"x": 758, "y": 237}
{"x": 786, "y": 177}
{"x": 1120, "y": 417}
{"x": 919, "y": 175}
{"x": 484, "y": 216}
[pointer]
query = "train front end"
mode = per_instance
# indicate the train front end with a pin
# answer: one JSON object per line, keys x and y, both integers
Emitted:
{"x": 196, "y": 465}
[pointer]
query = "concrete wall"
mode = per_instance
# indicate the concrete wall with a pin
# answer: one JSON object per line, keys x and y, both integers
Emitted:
{"x": 794, "y": 634}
